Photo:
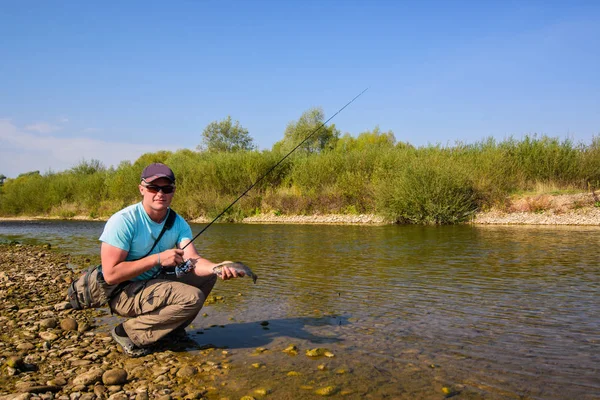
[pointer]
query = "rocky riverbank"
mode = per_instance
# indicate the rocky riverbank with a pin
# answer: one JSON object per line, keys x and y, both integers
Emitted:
{"x": 50, "y": 351}
{"x": 542, "y": 209}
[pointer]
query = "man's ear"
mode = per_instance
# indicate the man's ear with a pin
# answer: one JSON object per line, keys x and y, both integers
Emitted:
{"x": 140, "y": 189}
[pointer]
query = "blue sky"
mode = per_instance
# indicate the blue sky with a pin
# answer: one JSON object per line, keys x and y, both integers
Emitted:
{"x": 112, "y": 80}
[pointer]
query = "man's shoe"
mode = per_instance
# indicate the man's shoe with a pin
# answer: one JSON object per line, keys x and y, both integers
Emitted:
{"x": 127, "y": 345}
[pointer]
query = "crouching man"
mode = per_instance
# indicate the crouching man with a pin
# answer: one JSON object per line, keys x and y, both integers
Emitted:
{"x": 141, "y": 244}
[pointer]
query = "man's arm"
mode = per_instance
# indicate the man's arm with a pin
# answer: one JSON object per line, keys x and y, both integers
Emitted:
{"x": 202, "y": 266}
{"x": 116, "y": 270}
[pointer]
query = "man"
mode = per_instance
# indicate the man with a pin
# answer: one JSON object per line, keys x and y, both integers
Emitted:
{"x": 156, "y": 302}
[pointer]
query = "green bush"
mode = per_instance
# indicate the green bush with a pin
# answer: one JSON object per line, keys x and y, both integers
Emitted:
{"x": 427, "y": 190}
{"x": 372, "y": 173}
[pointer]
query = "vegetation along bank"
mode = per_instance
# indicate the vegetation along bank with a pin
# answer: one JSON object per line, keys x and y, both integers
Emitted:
{"x": 368, "y": 178}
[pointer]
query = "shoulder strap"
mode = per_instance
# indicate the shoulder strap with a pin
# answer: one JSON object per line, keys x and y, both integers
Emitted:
{"x": 168, "y": 225}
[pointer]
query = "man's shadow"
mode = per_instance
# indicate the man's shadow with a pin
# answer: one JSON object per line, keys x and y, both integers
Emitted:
{"x": 261, "y": 334}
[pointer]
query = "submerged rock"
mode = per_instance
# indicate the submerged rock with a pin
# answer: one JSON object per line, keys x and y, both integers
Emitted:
{"x": 327, "y": 391}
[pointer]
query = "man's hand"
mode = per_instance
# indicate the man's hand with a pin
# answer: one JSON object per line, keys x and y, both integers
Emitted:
{"x": 230, "y": 273}
{"x": 171, "y": 258}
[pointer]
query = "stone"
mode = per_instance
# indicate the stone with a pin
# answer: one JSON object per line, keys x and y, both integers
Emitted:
{"x": 48, "y": 336}
{"x": 48, "y": 323}
{"x": 187, "y": 371}
{"x": 68, "y": 324}
{"x": 100, "y": 391}
{"x": 89, "y": 377}
{"x": 327, "y": 391}
{"x": 15, "y": 362}
{"x": 84, "y": 327}
{"x": 57, "y": 382}
{"x": 25, "y": 346}
{"x": 65, "y": 305}
{"x": 117, "y": 376}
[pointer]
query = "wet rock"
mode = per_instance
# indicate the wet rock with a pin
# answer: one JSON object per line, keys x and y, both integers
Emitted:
{"x": 318, "y": 352}
{"x": 327, "y": 391}
{"x": 115, "y": 376}
{"x": 187, "y": 371}
{"x": 291, "y": 350}
{"x": 194, "y": 395}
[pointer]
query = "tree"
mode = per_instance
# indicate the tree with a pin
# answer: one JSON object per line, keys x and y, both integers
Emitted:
{"x": 2, "y": 179}
{"x": 88, "y": 167}
{"x": 296, "y": 131}
{"x": 365, "y": 140}
{"x": 226, "y": 136}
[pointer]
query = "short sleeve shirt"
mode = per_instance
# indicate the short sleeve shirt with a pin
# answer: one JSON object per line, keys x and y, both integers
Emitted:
{"x": 132, "y": 230}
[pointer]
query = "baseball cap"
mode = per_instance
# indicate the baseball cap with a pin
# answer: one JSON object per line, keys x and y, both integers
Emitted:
{"x": 157, "y": 170}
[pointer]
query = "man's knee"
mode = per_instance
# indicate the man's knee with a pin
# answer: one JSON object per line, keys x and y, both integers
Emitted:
{"x": 193, "y": 299}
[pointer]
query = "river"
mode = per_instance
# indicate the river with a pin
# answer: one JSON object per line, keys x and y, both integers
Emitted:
{"x": 496, "y": 312}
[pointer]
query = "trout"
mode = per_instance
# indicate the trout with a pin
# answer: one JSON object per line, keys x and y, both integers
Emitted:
{"x": 237, "y": 267}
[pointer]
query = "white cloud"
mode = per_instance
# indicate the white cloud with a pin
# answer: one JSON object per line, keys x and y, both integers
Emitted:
{"x": 43, "y": 127}
{"x": 22, "y": 151}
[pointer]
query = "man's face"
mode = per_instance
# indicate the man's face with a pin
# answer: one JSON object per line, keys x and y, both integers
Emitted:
{"x": 154, "y": 195}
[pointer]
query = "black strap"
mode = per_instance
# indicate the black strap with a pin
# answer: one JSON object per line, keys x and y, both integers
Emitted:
{"x": 168, "y": 225}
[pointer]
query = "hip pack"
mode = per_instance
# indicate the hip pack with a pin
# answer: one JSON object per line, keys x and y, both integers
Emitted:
{"x": 90, "y": 290}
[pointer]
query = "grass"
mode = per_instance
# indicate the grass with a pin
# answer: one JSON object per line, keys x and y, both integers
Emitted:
{"x": 372, "y": 174}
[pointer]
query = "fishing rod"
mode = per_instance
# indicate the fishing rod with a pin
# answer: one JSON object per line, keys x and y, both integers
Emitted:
{"x": 273, "y": 167}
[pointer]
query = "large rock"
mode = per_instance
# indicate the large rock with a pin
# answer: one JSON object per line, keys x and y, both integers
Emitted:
{"x": 68, "y": 324}
{"x": 117, "y": 376}
{"x": 89, "y": 378}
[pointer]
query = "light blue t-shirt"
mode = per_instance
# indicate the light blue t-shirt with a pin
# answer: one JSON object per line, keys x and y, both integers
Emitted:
{"x": 132, "y": 230}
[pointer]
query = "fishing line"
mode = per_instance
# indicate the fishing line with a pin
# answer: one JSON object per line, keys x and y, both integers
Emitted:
{"x": 273, "y": 167}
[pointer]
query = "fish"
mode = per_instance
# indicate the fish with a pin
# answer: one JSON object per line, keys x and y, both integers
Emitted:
{"x": 237, "y": 267}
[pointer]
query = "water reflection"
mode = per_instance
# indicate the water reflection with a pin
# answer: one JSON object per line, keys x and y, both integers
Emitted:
{"x": 510, "y": 311}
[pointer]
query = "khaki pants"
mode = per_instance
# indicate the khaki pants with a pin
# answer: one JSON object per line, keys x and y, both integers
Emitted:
{"x": 158, "y": 306}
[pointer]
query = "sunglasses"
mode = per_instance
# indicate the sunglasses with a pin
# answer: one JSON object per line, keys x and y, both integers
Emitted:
{"x": 155, "y": 189}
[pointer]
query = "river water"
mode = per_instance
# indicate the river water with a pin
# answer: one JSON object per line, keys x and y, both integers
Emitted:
{"x": 493, "y": 312}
